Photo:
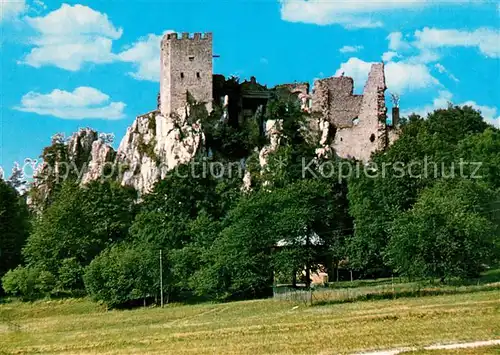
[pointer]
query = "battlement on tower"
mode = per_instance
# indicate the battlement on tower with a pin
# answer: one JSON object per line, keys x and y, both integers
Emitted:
{"x": 187, "y": 35}
{"x": 197, "y": 36}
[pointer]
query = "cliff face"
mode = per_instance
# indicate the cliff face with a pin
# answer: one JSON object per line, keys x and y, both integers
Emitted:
{"x": 153, "y": 146}
{"x": 78, "y": 158}
{"x": 102, "y": 156}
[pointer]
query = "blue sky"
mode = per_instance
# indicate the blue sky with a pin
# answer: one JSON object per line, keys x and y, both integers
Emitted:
{"x": 96, "y": 63}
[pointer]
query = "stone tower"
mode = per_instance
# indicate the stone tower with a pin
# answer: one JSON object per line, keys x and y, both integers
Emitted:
{"x": 186, "y": 67}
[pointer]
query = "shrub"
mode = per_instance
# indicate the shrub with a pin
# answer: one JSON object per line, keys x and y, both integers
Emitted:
{"x": 122, "y": 274}
{"x": 449, "y": 232}
{"x": 45, "y": 282}
{"x": 28, "y": 283}
{"x": 70, "y": 275}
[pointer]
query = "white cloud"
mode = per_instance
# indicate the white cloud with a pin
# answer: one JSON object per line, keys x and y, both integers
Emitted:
{"x": 145, "y": 54}
{"x": 83, "y": 102}
{"x": 487, "y": 40}
{"x": 490, "y": 114}
{"x": 390, "y": 55}
{"x": 36, "y": 6}
{"x": 397, "y": 42}
{"x": 71, "y": 36}
{"x": 425, "y": 56}
{"x": 424, "y": 44}
{"x": 441, "y": 68}
{"x": 10, "y": 9}
{"x": 39, "y": 4}
{"x": 402, "y": 44}
{"x": 348, "y": 13}
{"x": 350, "y": 49}
{"x": 405, "y": 77}
{"x": 357, "y": 69}
{"x": 400, "y": 76}
{"x": 74, "y": 35}
{"x": 442, "y": 101}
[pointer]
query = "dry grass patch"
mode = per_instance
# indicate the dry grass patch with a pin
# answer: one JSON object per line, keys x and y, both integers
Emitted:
{"x": 251, "y": 327}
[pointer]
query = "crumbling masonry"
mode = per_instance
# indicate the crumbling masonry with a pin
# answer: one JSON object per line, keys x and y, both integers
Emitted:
{"x": 353, "y": 126}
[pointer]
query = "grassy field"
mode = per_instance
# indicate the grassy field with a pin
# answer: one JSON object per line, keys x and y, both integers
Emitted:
{"x": 78, "y": 326}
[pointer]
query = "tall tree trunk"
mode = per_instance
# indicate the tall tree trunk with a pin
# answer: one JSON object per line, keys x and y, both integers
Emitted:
{"x": 330, "y": 268}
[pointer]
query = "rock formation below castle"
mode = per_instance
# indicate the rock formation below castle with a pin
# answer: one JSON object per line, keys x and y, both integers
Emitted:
{"x": 153, "y": 146}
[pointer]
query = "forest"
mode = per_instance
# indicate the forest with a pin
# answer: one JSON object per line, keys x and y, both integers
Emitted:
{"x": 426, "y": 208}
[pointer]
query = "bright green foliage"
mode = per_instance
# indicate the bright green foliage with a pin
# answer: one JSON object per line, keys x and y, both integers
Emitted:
{"x": 14, "y": 227}
{"x": 417, "y": 210}
{"x": 484, "y": 150}
{"x": 70, "y": 275}
{"x": 283, "y": 230}
{"x": 179, "y": 198}
{"x": 443, "y": 146}
{"x": 307, "y": 217}
{"x": 122, "y": 274}
{"x": 182, "y": 217}
{"x": 203, "y": 231}
{"x": 285, "y": 164}
{"x": 238, "y": 264}
{"x": 79, "y": 224}
{"x": 311, "y": 224}
{"x": 28, "y": 282}
{"x": 231, "y": 143}
{"x": 452, "y": 231}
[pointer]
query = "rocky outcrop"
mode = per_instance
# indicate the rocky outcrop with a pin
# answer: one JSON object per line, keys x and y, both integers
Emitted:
{"x": 153, "y": 146}
{"x": 80, "y": 145}
{"x": 136, "y": 158}
{"x": 80, "y": 157}
{"x": 102, "y": 157}
{"x": 273, "y": 131}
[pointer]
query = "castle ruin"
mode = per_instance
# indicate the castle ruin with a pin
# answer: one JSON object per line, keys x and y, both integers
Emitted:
{"x": 349, "y": 125}
{"x": 353, "y": 126}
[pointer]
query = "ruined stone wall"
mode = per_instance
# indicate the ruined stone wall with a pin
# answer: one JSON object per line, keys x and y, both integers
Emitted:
{"x": 333, "y": 98}
{"x": 186, "y": 66}
{"x": 393, "y": 135}
{"x": 298, "y": 88}
{"x": 369, "y": 133}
